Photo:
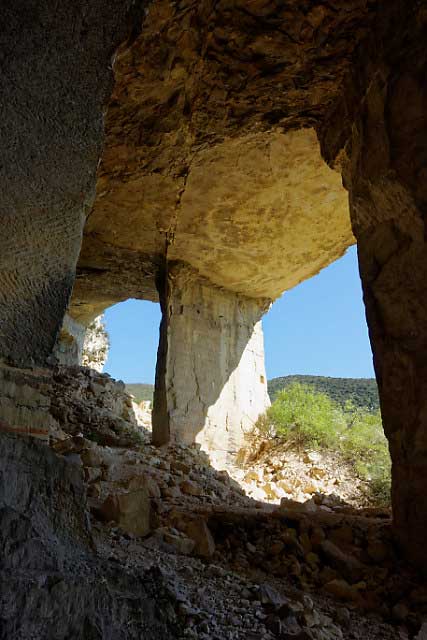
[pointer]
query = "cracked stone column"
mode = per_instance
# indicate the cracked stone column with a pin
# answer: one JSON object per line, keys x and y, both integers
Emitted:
{"x": 385, "y": 171}
{"x": 211, "y": 384}
{"x": 55, "y": 78}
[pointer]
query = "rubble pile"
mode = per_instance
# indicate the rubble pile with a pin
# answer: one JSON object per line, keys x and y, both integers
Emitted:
{"x": 65, "y": 401}
{"x": 272, "y": 470}
{"x": 236, "y": 567}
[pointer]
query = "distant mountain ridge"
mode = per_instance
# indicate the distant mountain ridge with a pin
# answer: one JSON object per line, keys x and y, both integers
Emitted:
{"x": 363, "y": 392}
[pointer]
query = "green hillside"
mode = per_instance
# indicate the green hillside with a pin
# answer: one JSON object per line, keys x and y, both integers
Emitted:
{"x": 141, "y": 391}
{"x": 363, "y": 392}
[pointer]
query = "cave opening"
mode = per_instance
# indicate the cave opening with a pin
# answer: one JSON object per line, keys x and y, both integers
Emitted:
{"x": 133, "y": 331}
{"x": 319, "y": 327}
{"x": 322, "y": 439}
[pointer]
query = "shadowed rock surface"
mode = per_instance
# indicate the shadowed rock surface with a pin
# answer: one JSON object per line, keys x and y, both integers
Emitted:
{"x": 56, "y": 587}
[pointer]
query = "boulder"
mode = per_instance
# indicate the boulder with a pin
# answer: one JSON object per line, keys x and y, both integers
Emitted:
{"x": 342, "y": 590}
{"x": 146, "y": 481}
{"x": 123, "y": 473}
{"x": 199, "y": 531}
{"x": 347, "y": 565}
{"x": 177, "y": 541}
{"x": 181, "y": 467}
{"x": 190, "y": 488}
{"x": 171, "y": 492}
{"x": 131, "y": 511}
{"x": 96, "y": 456}
{"x": 268, "y": 596}
{"x": 285, "y": 486}
{"x": 92, "y": 474}
{"x": 304, "y": 507}
{"x": 270, "y": 490}
{"x": 253, "y": 475}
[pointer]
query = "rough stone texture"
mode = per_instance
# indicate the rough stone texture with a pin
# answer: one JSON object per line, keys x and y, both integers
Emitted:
{"x": 201, "y": 153}
{"x": 382, "y": 147}
{"x": 96, "y": 345}
{"x": 265, "y": 202}
{"x": 69, "y": 345}
{"x": 130, "y": 510}
{"x": 54, "y": 82}
{"x": 200, "y": 132}
{"x": 77, "y": 344}
{"x": 51, "y": 586}
{"x": 47, "y": 402}
{"x": 215, "y": 381}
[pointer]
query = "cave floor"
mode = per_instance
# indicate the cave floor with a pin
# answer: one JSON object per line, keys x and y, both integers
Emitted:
{"x": 236, "y": 567}
{"x": 259, "y": 570}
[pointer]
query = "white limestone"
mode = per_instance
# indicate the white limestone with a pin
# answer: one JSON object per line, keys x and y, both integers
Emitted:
{"x": 216, "y": 386}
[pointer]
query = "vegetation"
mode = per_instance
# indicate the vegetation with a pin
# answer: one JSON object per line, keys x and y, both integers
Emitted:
{"x": 361, "y": 392}
{"x": 141, "y": 391}
{"x": 308, "y": 418}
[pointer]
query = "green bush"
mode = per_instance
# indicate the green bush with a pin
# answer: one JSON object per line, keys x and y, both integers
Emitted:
{"x": 307, "y": 418}
{"x": 365, "y": 445}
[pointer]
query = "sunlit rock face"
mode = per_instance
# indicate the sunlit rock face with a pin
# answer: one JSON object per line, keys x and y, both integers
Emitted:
{"x": 202, "y": 155}
{"x": 78, "y": 344}
{"x": 69, "y": 344}
{"x": 96, "y": 345}
{"x": 257, "y": 215}
{"x": 212, "y": 384}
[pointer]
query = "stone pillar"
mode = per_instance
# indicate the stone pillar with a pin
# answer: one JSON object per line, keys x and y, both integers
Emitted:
{"x": 385, "y": 171}
{"x": 55, "y": 79}
{"x": 211, "y": 384}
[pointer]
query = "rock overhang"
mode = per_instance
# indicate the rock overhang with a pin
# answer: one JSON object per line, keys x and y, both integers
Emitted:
{"x": 257, "y": 215}
{"x": 210, "y": 150}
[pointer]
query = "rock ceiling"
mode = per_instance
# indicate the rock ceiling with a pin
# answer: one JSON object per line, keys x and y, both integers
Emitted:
{"x": 211, "y": 152}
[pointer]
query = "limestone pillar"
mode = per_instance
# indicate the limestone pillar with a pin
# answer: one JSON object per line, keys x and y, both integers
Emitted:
{"x": 55, "y": 79}
{"x": 211, "y": 384}
{"x": 385, "y": 171}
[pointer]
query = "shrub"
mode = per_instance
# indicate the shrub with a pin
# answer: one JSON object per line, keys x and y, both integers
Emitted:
{"x": 365, "y": 445}
{"x": 307, "y": 418}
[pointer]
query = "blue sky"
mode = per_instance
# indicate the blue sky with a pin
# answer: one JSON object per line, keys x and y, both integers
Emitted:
{"x": 317, "y": 328}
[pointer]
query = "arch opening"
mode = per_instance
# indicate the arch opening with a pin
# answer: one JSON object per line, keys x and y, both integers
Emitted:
{"x": 322, "y": 438}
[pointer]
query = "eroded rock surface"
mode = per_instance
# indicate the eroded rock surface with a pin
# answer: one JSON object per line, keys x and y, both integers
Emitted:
{"x": 51, "y": 402}
{"x": 52, "y": 584}
{"x": 211, "y": 153}
{"x": 213, "y": 384}
{"x": 210, "y": 562}
{"x": 209, "y": 136}
{"x": 56, "y": 78}
{"x": 96, "y": 345}
{"x": 382, "y": 149}
{"x": 256, "y": 215}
